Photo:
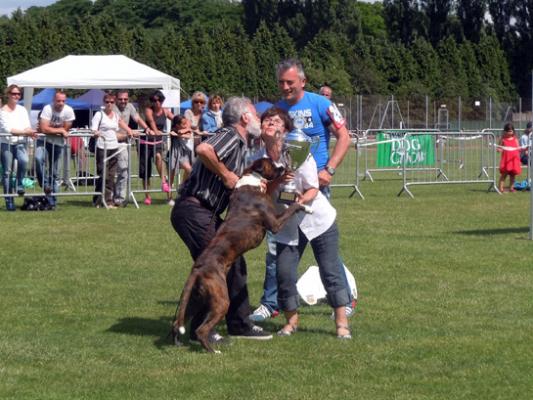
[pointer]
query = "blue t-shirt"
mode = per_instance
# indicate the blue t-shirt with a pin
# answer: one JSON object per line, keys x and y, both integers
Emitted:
{"x": 314, "y": 114}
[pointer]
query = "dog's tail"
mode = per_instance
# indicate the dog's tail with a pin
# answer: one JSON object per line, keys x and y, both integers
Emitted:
{"x": 179, "y": 323}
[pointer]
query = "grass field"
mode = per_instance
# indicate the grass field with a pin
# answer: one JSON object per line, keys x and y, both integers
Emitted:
{"x": 445, "y": 312}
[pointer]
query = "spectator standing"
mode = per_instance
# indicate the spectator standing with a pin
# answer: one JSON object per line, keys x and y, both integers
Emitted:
{"x": 55, "y": 121}
{"x": 510, "y": 160}
{"x": 127, "y": 113}
{"x": 106, "y": 124}
{"x": 203, "y": 198}
{"x": 14, "y": 120}
{"x": 326, "y": 91}
{"x": 152, "y": 146}
{"x": 181, "y": 154}
{"x": 212, "y": 117}
{"x": 524, "y": 143}
{"x": 194, "y": 114}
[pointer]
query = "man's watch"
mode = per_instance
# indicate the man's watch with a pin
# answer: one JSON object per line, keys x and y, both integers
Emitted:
{"x": 330, "y": 170}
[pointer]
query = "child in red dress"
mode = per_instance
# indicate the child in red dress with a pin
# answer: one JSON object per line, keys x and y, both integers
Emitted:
{"x": 510, "y": 161}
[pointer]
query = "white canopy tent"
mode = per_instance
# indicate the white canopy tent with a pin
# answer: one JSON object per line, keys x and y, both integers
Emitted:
{"x": 88, "y": 72}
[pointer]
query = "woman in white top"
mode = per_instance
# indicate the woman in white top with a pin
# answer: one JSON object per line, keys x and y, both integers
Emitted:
{"x": 194, "y": 115}
{"x": 318, "y": 228}
{"x": 106, "y": 124}
{"x": 15, "y": 128}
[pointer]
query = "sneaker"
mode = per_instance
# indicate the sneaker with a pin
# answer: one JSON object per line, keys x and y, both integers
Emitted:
{"x": 171, "y": 203}
{"x": 262, "y": 313}
{"x": 165, "y": 188}
{"x": 350, "y": 310}
{"x": 213, "y": 338}
{"x": 254, "y": 333}
{"x": 148, "y": 201}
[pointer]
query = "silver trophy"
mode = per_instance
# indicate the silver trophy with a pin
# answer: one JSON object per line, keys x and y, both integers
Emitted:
{"x": 297, "y": 147}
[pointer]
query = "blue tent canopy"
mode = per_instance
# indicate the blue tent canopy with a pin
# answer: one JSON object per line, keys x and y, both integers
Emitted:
{"x": 93, "y": 97}
{"x": 46, "y": 96}
{"x": 185, "y": 105}
{"x": 262, "y": 106}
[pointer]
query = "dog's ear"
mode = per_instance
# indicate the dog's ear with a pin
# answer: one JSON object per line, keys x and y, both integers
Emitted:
{"x": 266, "y": 168}
{"x": 279, "y": 171}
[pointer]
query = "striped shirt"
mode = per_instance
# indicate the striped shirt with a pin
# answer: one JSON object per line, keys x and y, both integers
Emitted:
{"x": 230, "y": 148}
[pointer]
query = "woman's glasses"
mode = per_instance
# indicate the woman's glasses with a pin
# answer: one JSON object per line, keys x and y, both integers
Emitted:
{"x": 15, "y": 93}
{"x": 199, "y": 102}
{"x": 155, "y": 100}
{"x": 274, "y": 121}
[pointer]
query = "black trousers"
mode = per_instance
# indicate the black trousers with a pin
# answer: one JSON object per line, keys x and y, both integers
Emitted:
{"x": 111, "y": 170}
{"x": 196, "y": 226}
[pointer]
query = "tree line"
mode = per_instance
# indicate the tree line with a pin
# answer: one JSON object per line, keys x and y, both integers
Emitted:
{"x": 440, "y": 48}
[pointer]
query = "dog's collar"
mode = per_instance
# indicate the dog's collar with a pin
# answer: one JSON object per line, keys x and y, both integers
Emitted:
{"x": 252, "y": 179}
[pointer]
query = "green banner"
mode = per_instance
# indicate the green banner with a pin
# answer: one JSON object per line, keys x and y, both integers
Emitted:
{"x": 419, "y": 150}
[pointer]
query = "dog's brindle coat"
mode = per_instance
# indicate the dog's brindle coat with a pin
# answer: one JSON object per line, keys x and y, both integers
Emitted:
{"x": 250, "y": 213}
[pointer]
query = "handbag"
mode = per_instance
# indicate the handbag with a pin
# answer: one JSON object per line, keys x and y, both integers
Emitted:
{"x": 92, "y": 140}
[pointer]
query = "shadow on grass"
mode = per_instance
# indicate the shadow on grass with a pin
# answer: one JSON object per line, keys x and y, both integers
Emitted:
{"x": 158, "y": 328}
{"x": 499, "y": 231}
{"x": 87, "y": 203}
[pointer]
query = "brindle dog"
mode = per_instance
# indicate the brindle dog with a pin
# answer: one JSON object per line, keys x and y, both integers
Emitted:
{"x": 250, "y": 213}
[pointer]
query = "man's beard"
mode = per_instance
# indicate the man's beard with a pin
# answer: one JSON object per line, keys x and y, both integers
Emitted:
{"x": 254, "y": 128}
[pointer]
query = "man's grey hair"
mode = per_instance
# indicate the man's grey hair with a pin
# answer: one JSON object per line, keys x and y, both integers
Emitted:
{"x": 290, "y": 63}
{"x": 234, "y": 108}
{"x": 324, "y": 87}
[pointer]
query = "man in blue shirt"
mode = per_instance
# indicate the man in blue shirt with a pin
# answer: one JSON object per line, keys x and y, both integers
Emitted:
{"x": 319, "y": 116}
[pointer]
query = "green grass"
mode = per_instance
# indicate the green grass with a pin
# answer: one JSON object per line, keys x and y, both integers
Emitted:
{"x": 445, "y": 310}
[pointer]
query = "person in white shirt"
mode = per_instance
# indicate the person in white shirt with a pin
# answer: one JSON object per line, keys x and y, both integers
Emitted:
{"x": 318, "y": 228}
{"x": 106, "y": 124}
{"x": 16, "y": 128}
{"x": 55, "y": 121}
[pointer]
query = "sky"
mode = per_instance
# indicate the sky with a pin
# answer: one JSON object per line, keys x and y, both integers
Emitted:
{"x": 8, "y": 6}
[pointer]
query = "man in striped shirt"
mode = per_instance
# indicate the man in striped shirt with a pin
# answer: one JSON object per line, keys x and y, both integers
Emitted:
{"x": 204, "y": 197}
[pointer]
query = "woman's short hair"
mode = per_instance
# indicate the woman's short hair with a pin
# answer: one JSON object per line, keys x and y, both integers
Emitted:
{"x": 109, "y": 96}
{"x": 198, "y": 96}
{"x": 11, "y": 87}
{"x": 214, "y": 98}
{"x": 279, "y": 112}
{"x": 233, "y": 110}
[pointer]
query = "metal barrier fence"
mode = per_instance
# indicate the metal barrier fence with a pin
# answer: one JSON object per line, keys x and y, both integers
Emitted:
{"x": 50, "y": 163}
{"x": 425, "y": 158}
{"x": 148, "y": 152}
{"x": 56, "y": 167}
{"x": 459, "y": 158}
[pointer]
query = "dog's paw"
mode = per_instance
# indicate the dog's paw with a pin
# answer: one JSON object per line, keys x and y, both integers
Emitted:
{"x": 307, "y": 209}
{"x": 177, "y": 342}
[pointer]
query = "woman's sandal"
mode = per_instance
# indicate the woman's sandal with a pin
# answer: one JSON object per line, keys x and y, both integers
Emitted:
{"x": 285, "y": 332}
{"x": 346, "y": 336}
